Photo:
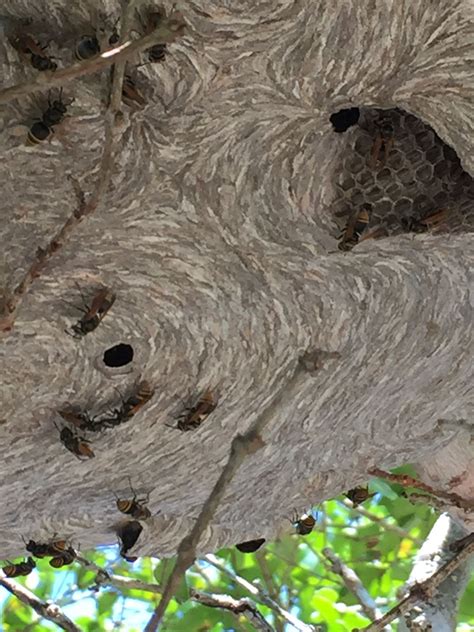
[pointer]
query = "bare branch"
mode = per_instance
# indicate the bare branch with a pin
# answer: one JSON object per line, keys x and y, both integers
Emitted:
{"x": 354, "y": 584}
{"x": 241, "y": 446}
{"x": 50, "y": 611}
{"x": 119, "y": 67}
{"x": 426, "y": 589}
{"x": 382, "y": 522}
{"x": 259, "y": 595}
{"x": 237, "y": 606}
{"x": 269, "y": 583}
{"x": 169, "y": 29}
{"x": 437, "y": 612}
{"x": 409, "y": 481}
{"x": 104, "y": 578}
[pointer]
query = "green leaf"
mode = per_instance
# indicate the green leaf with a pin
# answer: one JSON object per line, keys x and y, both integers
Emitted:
{"x": 382, "y": 487}
{"x": 106, "y": 601}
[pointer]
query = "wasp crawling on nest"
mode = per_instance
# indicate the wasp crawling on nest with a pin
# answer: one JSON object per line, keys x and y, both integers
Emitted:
{"x": 356, "y": 224}
{"x": 192, "y": 418}
{"x": 64, "y": 558}
{"x": 20, "y": 569}
{"x": 434, "y": 222}
{"x": 49, "y": 549}
{"x": 61, "y": 554}
{"x": 384, "y": 141}
{"x": 358, "y": 495}
{"x": 30, "y": 49}
{"x": 76, "y": 444}
{"x": 81, "y": 420}
{"x": 94, "y": 314}
{"x": 42, "y": 129}
{"x": 135, "y": 507}
{"x": 142, "y": 394}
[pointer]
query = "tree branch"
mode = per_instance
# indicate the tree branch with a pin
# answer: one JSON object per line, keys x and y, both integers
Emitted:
{"x": 104, "y": 578}
{"x": 50, "y": 611}
{"x": 237, "y": 606}
{"x": 426, "y": 589}
{"x": 169, "y": 29}
{"x": 259, "y": 595}
{"x": 409, "y": 481}
{"x": 353, "y": 583}
{"x": 241, "y": 446}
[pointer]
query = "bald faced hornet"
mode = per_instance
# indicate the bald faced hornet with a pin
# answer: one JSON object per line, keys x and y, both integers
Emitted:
{"x": 17, "y": 570}
{"x": 193, "y": 417}
{"x": 144, "y": 392}
{"x": 80, "y": 420}
{"x": 129, "y": 534}
{"x": 65, "y": 558}
{"x": 434, "y": 221}
{"x": 250, "y": 546}
{"x": 77, "y": 445}
{"x": 136, "y": 401}
{"x": 38, "y": 550}
{"x": 26, "y": 45}
{"x": 358, "y": 495}
{"x": 356, "y": 224}
{"x": 93, "y": 315}
{"x": 42, "y": 129}
{"x": 50, "y": 549}
{"x": 58, "y": 547}
{"x": 134, "y": 507}
{"x": 303, "y": 524}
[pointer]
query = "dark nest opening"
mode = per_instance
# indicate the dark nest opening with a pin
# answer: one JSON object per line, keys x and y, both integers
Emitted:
{"x": 118, "y": 355}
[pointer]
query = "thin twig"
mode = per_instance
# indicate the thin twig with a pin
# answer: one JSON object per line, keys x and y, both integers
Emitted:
{"x": 242, "y": 445}
{"x": 243, "y": 606}
{"x": 425, "y": 589}
{"x": 169, "y": 29}
{"x": 127, "y": 583}
{"x": 259, "y": 595}
{"x": 115, "y": 100}
{"x": 409, "y": 481}
{"x": 104, "y": 578}
{"x": 112, "y": 123}
{"x": 50, "y": 611}
{"x": 269, "y": 583}
{"x": 353, "y": 584}
{"x": 381, "y": 521}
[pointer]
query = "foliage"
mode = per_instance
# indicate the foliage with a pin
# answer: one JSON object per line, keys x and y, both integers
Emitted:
{"x": 379, "y": 546}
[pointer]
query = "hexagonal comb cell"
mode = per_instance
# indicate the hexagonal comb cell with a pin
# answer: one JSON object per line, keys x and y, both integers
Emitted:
{"x": 397, "y": 163}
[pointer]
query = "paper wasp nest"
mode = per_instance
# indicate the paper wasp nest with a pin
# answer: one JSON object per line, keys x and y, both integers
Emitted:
{"x": 216, "y": 236}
